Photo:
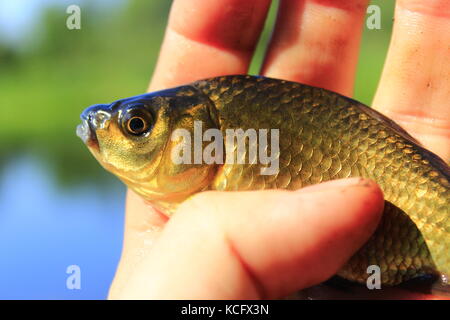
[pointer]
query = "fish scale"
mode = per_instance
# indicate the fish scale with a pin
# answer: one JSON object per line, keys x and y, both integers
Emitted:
{"x": 326, "y": 136}
{"x": 322, "y": 136}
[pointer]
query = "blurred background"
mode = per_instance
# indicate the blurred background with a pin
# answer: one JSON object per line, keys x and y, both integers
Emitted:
{"x": 58, "y": 207}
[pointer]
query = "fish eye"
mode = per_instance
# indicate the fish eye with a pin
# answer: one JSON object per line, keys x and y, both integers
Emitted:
{"x": 137, "y": 125}
{"x": 137, "y": 121}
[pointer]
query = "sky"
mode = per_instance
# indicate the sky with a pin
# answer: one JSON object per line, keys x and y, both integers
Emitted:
{"x": 18, "y": 17}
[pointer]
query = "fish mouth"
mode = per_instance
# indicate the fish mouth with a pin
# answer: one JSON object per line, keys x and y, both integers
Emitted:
{"x": 87, "y": 134}
{"x": 95, "y": 117}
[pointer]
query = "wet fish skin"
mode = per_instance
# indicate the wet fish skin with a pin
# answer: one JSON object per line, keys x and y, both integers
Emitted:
{"x": 323, "y": 136}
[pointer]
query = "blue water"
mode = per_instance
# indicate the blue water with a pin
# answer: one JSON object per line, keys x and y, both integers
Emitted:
{"x": 45, "y": 228}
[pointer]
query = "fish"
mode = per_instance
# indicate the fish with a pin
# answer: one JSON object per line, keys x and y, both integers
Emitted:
{"x": 322, "y": 136}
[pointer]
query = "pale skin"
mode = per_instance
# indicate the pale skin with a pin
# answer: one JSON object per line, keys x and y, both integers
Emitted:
{"x": 268, "y": 244}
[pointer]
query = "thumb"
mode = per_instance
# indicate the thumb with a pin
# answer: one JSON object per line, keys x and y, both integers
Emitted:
{"x": 257, "y": 244}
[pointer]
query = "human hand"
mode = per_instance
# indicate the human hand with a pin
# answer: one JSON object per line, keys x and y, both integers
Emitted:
{"x": 315, "y": 42}
{"x": 246, "y": 245}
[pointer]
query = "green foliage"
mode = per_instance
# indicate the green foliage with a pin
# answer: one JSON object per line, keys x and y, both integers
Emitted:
{"x": 373, "y": 52}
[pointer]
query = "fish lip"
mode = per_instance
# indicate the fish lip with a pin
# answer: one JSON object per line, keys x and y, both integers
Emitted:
{"x": 86, "y": 132}
{"x": 95, "y": 117}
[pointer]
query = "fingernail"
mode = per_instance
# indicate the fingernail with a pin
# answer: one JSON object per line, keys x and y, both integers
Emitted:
{"x": 341, "y": 183}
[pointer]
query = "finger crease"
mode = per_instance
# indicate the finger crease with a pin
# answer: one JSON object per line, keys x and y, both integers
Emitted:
{"x": 259, "y": 287}
{"x": 423, "y": 8}
{"x": 421, "y": 119}
{"x": 227, "y": 49}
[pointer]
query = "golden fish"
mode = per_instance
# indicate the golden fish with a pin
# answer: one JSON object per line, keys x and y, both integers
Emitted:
{"x": 322, "y": 136}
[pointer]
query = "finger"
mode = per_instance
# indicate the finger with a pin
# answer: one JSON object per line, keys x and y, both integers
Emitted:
{"x": 415, "y": 86}
{"x": 208, "y": 38}
{"x": 317, "y": 42}
{"x": 260, "y": 244}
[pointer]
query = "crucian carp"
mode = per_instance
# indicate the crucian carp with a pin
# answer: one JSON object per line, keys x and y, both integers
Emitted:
{"x": 322, "y": 136}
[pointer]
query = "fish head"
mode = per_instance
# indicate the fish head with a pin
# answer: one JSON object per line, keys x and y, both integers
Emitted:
{"x": 132, "y": 138}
